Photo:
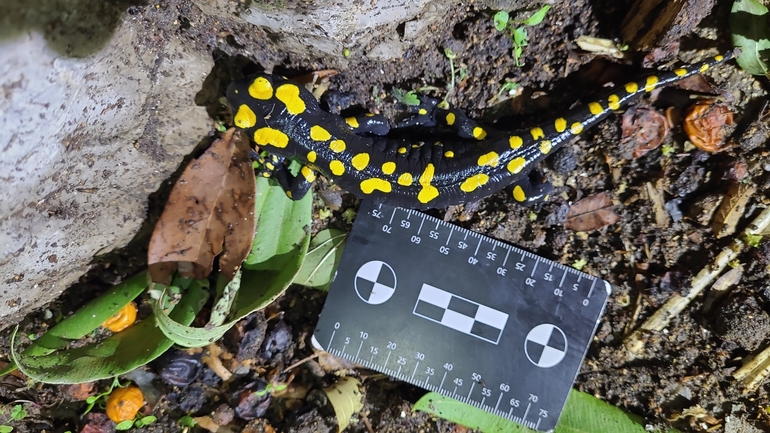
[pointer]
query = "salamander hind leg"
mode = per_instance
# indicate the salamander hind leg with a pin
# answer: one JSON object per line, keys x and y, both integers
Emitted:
{"x": 368, "y": 123}
{"x": 295, "y": 186}
{"x": 530, "y": 190}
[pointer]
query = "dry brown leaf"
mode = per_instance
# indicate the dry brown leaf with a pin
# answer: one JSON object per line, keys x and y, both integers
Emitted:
{"x": 731, "y": 210}
{"x": 643, "y": 129}
{"x": 655, "y": 194}
{"x": 707, "y": 125}
{"x": 591, "y": 213}
{"x": 211, "y": 206}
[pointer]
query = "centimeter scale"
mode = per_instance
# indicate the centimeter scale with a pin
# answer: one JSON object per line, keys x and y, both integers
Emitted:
{"x": 461, "y": 314}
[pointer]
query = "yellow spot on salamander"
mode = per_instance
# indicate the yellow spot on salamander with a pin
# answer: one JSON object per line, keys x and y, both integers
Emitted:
{"x": 401, "y": 150}
{"x": 269, "y": 136}
{"x": 422, "y": 111}
{"x": 576, "y": 128}
{"x": 289, "y": 95}
{"x": 405, "y": 179}
{"x": 336, "y": 167}
{"x": 516, "y": 165}
{"x": 537, "y": 132}
{"x": 478, "y": 180}
{"x": 360, "y": 161}
{"x": 311, "y": 156}
{"x": 704, "y": 68}
{"x": 270, "y": 166}
{"x": 389, "y": 167}
{"x": 518, "y": 194}
{"x": 680, "y": 72}
{"x": 245, "y": 117}
{"x": 545, "y": 146}
{"x": 515, "y": 141}
{"x": 288, "y": 194}
{"x": 631, "y": 87}
{"x": 649, "y": 85}
{"x": 416, "y": 146}
{"x": 450, "y": 119}
{"x": 613, "y": 101}
{"x": 318, "y": 133}
{"x": 261, "y": 88}
{"x": 428, "y": 191}
{"x": 560, "y": 124}
{"x": 352, "y": 122}
{"x": 479, "y": 133}
{"x": 491, "y": 159}
{"x": 369, "y": 185}
{"x": 719, "y": 58}
{"x": 337, "y": 146}
{"x": 595, "y": 108}
{"x": 307, "y": 173}
{"x": 449, "y": 154}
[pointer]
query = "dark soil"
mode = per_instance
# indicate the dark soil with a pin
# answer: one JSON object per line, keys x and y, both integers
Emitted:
{"x": 687, "y": 366}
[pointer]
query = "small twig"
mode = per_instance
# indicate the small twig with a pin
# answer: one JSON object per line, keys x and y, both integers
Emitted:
{"x": 676, "y": 304}
{"x": 365, "y": 419}
{"x": 301, "y": 361}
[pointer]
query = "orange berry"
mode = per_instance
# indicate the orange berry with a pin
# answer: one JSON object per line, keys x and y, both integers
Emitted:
{"x": 124, "y": 403}
{"x": 122, "y": 319}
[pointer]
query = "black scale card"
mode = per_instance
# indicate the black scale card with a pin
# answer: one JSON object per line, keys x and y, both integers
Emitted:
{"x": 461, "y": 314}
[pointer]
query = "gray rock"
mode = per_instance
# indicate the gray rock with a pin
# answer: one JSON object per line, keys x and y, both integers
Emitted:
{"x": 94, "y": 119}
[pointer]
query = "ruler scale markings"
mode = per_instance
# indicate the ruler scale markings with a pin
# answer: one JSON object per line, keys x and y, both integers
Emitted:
{"x": 421, "y": 223}
{"x": 392, "y": 215}
{"x": 562, "y": 279}
{"x": 506, "y": 257}
{"x": 415, "y": 370}
{"x": 477, "y": 304}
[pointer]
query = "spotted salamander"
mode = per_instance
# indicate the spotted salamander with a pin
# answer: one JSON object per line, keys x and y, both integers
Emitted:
{"x": 285, "y": 119}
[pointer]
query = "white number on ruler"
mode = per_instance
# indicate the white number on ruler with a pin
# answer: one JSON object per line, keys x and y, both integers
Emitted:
{"x": 430, "y": 371}
{"x": 476, "y": 377}
{"x": 337, "y": 325}
{"x": 530, "y": 282}
{"x": 420, "y": 356}
{"x": 391, "y": 345}
{"x": 433, "y": 234}
{"x": 548, "y": 277}
{"x": 462, "y": 245}
{"x": 533, "y": 398}
{"x": 376, "y": 213}
{"x": 364, "y": 335}
{"x": 386, "y": 228}
{"x": 373, "y": 350}
{"x": 458, "y": 382}
{"x": 473, "y": 260}
{"x": 491, "y": 255}
{"x": 405, "y": 224}
{"x": 520, "y": 267}
{"x": 443, "y": 250}
{"x": 501, "y": 271}
{"x": 515, "y": 402}
{"x": 415, "y": 239}
{"x": 486, "y": 392}
{"x": 401, "y": 360}
{"x": 543, "y": 413}
{"x": 504, "y": 387}
{"x": 448, "y": 367}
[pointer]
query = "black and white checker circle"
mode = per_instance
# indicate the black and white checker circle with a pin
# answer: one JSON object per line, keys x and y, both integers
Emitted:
{"x": 375, "y": 282}
{"x": 545, "y": 345}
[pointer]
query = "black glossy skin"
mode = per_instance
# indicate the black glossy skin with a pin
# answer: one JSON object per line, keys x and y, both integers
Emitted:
{"x": 279, "y": 114}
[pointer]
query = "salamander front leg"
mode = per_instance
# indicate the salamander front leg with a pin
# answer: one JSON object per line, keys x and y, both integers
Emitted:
{"x": 369, "y": 123}
{"x": 531, "y": 190}
{"x": 295, "y": 186}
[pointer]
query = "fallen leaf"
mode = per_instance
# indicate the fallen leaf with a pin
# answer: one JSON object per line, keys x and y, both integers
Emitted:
{"x": 591, "y": 213}
{"x": 731, "y": 210}
{"x": 655, "y": 194}
{"x": 707, "y": 124}
{"x": 81, "y": 391}
{"x": 346, "y": 399}
{"x": 643, "y": 129}
{"x": 211, "y": 206}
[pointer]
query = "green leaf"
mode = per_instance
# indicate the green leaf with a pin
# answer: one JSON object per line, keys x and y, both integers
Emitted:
{"x": 583, "y": 413}
{"x": 117, "y": 354}
{"x": 86, "y": 319}
{"x": 226, "y": 294}
{"x": 501, "y": 20}
{"x": 187, "y": 421}
{"x": 281, "y": 226}
{"x": 538, "y": 16}
{"x": 6, "y": 429}
{"x": 18, "y": 413}
{"x": 750, "y": 33}
{"x": 520, "y": 36}
{"x": 124, "y": 425}
{"x": 323, "y": 257}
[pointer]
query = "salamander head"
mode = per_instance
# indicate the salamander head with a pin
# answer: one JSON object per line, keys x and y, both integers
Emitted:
{"x": 251, "y": 100}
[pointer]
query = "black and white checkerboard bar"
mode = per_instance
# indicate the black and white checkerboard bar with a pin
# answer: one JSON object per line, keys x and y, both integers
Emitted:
{"x": 460, "y": 314}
